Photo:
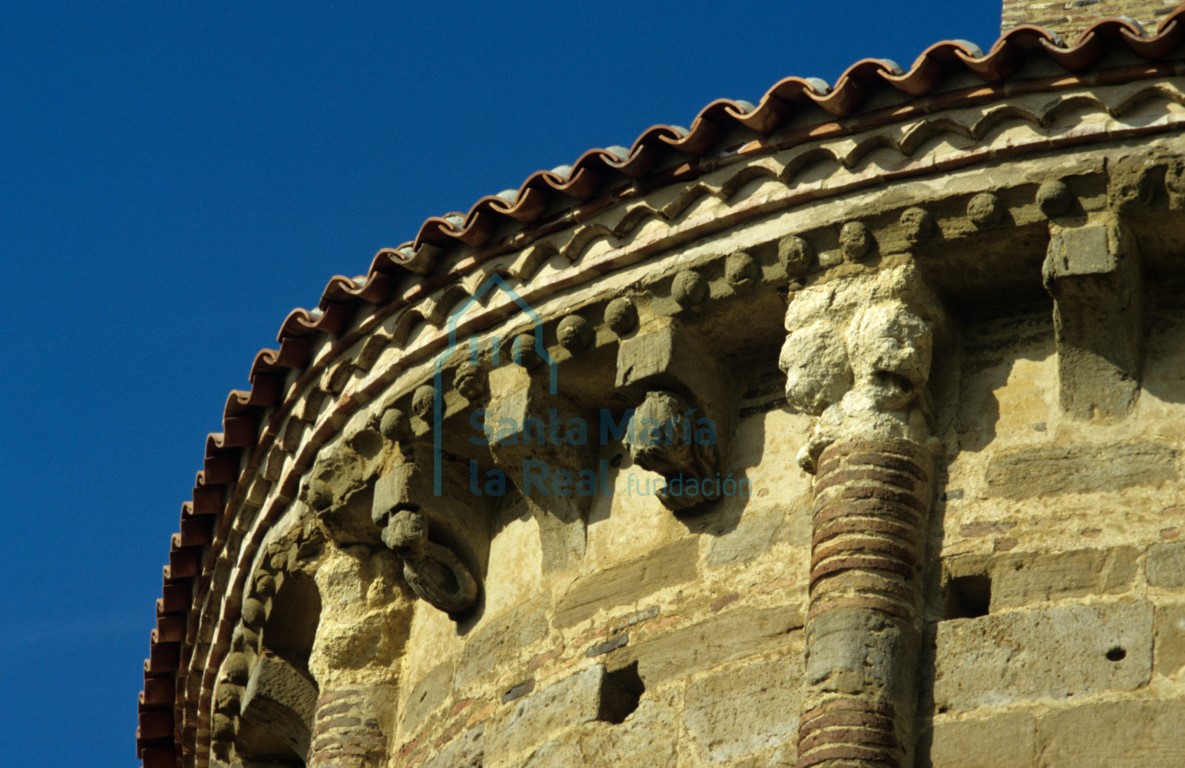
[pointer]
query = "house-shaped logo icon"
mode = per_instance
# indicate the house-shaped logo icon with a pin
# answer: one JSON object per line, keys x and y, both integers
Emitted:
{"x": 494, "y": 281}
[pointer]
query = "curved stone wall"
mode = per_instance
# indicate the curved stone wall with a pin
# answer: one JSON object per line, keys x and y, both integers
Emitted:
{"x": 862, "y": 449}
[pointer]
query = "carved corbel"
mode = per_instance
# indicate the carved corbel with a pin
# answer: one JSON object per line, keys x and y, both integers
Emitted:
{"x": 432, "y": 571}
{"x": 667, "y": 436}
{"x": 685, "y": 417}
{"x": 546, "y": 446}
{"x": 403, "y": 511}
{"x": 277, "y": 706}
{"x": 340, "y": 486}
{"x": 1094, "y": 275}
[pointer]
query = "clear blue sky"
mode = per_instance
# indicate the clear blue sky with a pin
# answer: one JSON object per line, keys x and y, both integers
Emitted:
{"x": 175, "y": 177}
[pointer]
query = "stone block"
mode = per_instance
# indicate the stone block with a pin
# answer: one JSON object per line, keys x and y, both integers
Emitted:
{"x": 535, "y": 718}
{"x": 646, "y": 739}
{"x": 279, "y": 701}
{"x": 1024, "y": 577}
{"x": 747, "y": 708}
{"x": 1170, "y": 639}
{"x": 1026, "y": 473}
{"x": 727, "y": 636}
{"x": 758, "y": 529}
{"x": 1003, "y": 741}
{"x": 502, "y": 640}
{"x": 1055, "y": 653}
{"x": 1166, "y": 565}
{"x": 430, "y": 693}
{"x": 464, "y": 751}
{"x": 1093, "y": 273}
{"x": 628, "y": 583}
{"x": 1117, "y": 734}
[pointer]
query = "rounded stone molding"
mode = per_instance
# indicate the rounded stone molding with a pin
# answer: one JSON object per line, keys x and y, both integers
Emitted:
{"x": 795, "y": 255}
{"x": 742, "y": 271}
{"x": 621, "y": 315}
{"x": 469, "y": 381}
{"x": 423, "y": 401}
{"x": 265, "y": 585}
{"x": 918, "y": 225}
{"x": 855, "y": 240}
{"x": 574, "y": 333}
{"x": 689, "y": 289}
{"x": 985, "y": 210}
{"x": 393, "y": 425}
{"x": 524, "y": 351}
{"x": 1054, "y": 198}
{"x": 254, "y": 613}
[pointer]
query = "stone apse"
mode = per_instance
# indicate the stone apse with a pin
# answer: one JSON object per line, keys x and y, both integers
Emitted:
{"x": 844, "y": 429}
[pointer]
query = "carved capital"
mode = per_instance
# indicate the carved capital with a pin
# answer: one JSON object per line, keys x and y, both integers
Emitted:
{"x": 858, "y": 356}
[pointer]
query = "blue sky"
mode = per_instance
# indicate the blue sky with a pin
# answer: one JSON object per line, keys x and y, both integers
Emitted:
{"x": 175, "y": 177}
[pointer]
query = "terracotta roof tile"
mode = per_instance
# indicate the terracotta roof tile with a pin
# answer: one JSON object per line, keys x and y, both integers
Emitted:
{"x": 792, "y": 102}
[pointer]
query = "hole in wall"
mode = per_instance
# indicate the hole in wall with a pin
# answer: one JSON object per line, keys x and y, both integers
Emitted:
{"x": 620, "y": 693}
{"x": 1118, "y": 653}
{"x": 969, "y": 596}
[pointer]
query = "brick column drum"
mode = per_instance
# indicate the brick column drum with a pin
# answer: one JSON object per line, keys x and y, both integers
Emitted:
{"x": 863, "y": 628}
{"x": 342, "y": 738}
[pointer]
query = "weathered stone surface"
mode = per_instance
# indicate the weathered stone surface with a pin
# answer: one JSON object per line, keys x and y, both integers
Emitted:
{"x": 281, "y": 699}
{"x": 628, "y": 583}
{"x": 1048, "y": 470}
{"x": 1120, "y": 734}
{"x": 754, "y": 534}
{"x": 646, "y": 739}
{"x": 1054, "y": 653}
{"x": 428, "y": 694}
{"x": 1170, "y": 639}
{"x": 464, "y": 751}
{"x": 1166, "y": 565}
{"x": 1023, "y": 578}
{"x": 501, "y": 639}
{"x": 746, "y": 708}
{"x": 725, "y": 637}
{"x": 1003, "y": 741}
{"x": 534, "y": 718}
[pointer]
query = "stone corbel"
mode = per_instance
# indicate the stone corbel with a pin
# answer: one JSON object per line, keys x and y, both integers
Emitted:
{"x": 278, "y": 703}
{"x": 680, "y": 428}
{"x": 1094, "y": 275}
{"x": 339, "y": 486}
{"x": 547, "y": 448}
{"x": 412, "y": 520}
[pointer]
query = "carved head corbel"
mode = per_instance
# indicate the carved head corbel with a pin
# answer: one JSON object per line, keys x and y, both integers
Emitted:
{"x": 665, "y": 436}
{"x": 433, "y": 571}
